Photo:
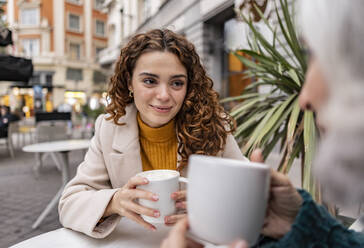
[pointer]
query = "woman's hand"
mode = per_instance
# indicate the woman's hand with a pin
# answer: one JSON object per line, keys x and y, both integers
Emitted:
{"x": 283, "y": 205}
{"x": 181, "y": 206}
{"x": 177, "y": 238}
{"x": 124, "y": 202}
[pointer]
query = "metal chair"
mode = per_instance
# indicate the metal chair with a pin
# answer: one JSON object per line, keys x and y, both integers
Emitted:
{"x": 49, "y": 131}
{"x": 26, "y": 132}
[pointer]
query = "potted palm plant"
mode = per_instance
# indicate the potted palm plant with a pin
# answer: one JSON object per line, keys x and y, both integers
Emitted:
{"x": 273, "y": 118}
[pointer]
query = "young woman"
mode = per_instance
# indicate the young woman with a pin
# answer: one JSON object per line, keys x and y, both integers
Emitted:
{"x": 334, "y": 90}
{"x": 162, "y": 108}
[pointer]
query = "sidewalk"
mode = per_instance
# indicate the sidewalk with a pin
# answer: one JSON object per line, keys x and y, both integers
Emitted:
{"x": 23, "y": 196}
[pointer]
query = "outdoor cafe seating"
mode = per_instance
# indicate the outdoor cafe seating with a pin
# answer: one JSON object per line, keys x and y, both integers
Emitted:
{"x": 51, "y": 126}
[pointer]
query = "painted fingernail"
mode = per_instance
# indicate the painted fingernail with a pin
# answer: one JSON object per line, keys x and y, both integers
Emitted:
{"x": 155, "y": 197}
{"x": 156, "y": 214}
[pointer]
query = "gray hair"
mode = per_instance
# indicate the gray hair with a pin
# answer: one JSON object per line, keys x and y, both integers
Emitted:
{"x": 334, "y": 30}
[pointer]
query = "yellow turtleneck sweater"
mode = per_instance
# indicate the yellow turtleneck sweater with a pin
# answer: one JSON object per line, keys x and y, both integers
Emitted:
{"x": 158, "y": 146}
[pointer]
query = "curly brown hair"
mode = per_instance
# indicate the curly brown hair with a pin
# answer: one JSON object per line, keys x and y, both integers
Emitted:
{"x": 202, "y": 124}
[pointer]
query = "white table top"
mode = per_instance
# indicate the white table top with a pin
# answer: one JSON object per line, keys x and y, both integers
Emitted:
{"x": 58, "y": 146}
{"x": 127, "y": 234}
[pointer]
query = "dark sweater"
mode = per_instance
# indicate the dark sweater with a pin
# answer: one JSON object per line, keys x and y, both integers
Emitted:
{"x": 314, "y": 227}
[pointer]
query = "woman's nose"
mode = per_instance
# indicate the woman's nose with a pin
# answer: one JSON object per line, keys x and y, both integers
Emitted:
{"x": 163, "y": 93}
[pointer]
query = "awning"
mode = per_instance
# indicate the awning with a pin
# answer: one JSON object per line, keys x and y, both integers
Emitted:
{"x": 15, "y": 68}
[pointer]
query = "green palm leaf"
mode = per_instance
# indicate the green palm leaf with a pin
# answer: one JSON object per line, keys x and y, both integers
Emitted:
{"x": 273, "y": 118}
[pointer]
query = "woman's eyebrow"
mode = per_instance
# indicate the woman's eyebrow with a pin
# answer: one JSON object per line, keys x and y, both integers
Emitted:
{"x": 179, "y": 75}
{"x": 148, "y": 74}
{"x": 156, "y": 76}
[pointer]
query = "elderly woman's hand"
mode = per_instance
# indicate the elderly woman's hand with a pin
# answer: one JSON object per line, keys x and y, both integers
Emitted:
{"x": 124, "y": 202}
{"x": 177, "y": 238}
{"x": 181, "y": 205}
{"x": 284, "y": 203}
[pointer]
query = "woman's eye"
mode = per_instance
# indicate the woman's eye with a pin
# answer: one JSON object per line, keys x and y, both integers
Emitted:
{"x": 149, "y": 81}
{"x": 177, "y": 84}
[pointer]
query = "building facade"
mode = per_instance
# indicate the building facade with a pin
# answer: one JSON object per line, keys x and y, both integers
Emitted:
{"x": 63, "y": 39}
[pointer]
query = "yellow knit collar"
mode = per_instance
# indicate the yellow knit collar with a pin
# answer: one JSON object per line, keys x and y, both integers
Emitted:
{"x": 158, "y": 134}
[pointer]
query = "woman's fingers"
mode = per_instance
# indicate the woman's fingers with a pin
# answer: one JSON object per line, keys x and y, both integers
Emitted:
{"x": 177, "y": 236}
{"x": 138, "y": 219}
{"x": 278, "y": 179}
{"x": 181, "y": 205}
{"x": 136, "y": 208}
{"x": 257, "y": 156}
{"x": 135, "y": 181}
{"x": 172, "y": 219}
{"x": 141, "y": 194}
{"x": 179, "y": 195}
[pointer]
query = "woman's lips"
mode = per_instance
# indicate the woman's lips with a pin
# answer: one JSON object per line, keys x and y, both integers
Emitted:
{"x": 161, "y": 109}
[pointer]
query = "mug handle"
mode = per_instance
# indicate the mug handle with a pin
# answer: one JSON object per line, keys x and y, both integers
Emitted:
{"x": 183, "y": 180}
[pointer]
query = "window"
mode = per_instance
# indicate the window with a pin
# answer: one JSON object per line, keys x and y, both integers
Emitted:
{"x": 100, "y": 28}
{"x": 74, "y": 22}
{"x": 49, "y": 79}
{"x": 75, "y": 51}
{"x": 98, "y": 4}
{"x": 30, "y": 47}
{"x": 35, "y": 80}
{"x": 99, "y": 77}
{"x": 29, "y": 16}
{"x": 74, "y": 74}
{"x": 44, "y": 78}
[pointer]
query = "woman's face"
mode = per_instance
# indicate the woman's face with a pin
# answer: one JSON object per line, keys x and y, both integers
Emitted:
{"x": 314, "y": 94}
{"x": 159, "y": 84}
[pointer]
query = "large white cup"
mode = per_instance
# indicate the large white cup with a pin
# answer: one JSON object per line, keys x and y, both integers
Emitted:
{"x": 226, "y": 199}
{"x": 163, "y": 183}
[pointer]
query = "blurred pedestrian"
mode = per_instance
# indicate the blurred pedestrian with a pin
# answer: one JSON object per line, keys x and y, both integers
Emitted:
{"x": 6, "y": 118}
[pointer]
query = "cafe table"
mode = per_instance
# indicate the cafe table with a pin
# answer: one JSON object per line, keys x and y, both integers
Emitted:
{"x": 62, "y": 147}
{"x": 127, "y": 234}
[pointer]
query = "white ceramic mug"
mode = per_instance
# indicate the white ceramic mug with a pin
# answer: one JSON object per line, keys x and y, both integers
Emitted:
{"x": 226, "y": 198}
{"x": 163, "y": 183}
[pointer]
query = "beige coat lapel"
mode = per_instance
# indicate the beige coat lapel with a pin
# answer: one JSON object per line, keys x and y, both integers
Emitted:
{"x": 125, "y": 158}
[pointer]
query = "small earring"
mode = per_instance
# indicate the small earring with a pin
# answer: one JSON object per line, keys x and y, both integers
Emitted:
{"x": 131, "y": 94}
